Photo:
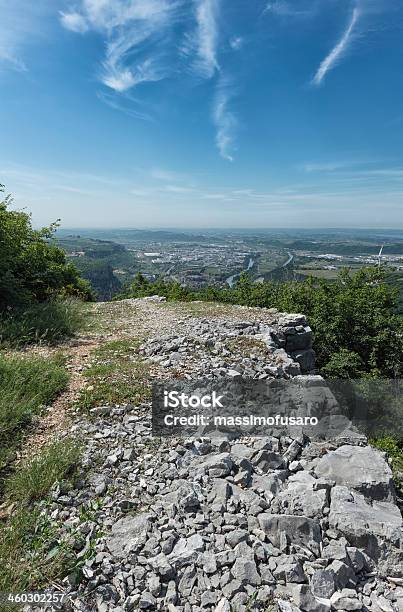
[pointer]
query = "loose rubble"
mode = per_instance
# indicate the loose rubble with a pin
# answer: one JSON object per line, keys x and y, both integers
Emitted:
{"x": 251, "y": 349}
{"x": 276, "y": 523}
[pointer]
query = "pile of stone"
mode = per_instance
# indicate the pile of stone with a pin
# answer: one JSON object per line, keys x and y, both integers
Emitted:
{"x": 255, "y": 524}
{"x": 218, "y": 525}
{"x": 207, "y": 348}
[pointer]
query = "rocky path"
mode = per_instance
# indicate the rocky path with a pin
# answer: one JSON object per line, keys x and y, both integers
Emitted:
{"x": 189, "y": 525}
{"x": 109, "y": 322}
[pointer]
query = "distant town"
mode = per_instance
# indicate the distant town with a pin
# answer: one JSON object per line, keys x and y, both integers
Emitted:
{"x": 111, "y": 258}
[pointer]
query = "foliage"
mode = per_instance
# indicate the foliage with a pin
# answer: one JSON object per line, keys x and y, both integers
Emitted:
{"x": 344, "y": 364}
{"x": 45, "y": 322}
{"x": 31, "y": 269}
{"x": 26, "y": 384}
{"x": 141, "y": 287}
{"x": 357, "y": 329}
{"x": 102, "y": 262}
{"x": 100, "y": 275}
{"x": 394, "y": 449}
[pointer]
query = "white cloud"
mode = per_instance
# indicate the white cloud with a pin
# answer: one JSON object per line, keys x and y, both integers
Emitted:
{"x": 177, "y": 189}
{"x": 121, "y": 79}
{"x": 224, "y": 120}
{"x": 329, "y": 166}
{"x": 138, "y": 37}
{"x": 131, "y": 31}
{"x": 207, "y": 35}
{"x": 236, "y": 42}
{"x": 168, "y": 176}
{"x": 74, "y": 22}
{"x": 12, "y": 61}
{"x": 141, "y": 47}
{"x": 124, "y": 103}
{"x": 285, "y": 8}
{"x": 82, "y": 196}
{"x": 338, "y": 51}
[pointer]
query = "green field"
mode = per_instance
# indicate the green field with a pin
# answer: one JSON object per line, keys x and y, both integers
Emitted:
{"x": 328, "y": 274}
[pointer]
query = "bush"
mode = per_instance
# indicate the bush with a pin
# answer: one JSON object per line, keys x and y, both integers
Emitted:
{"x": 394, "y": 450}
{"x": 344, "y": 364}
{"x": 46, "y": 322}
{"x": 31, "y": 269}
{"x": 141, "y": 287}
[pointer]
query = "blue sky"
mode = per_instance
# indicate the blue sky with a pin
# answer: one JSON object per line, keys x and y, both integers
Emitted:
{"x": 203, "y": 113}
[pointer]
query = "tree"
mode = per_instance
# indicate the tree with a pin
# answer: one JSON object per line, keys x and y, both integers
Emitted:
{"x": 31, "y": 269}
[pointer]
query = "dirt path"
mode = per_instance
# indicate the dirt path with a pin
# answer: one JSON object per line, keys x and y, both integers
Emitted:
{"x": 108, "y": 322}
{"x": 56, "y": 418}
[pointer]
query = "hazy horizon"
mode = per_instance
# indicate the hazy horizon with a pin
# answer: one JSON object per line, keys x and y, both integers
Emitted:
{"x": 243, "y": 229}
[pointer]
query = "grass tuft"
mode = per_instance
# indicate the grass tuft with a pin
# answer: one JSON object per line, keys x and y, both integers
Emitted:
{"x": 26, "y": 385}
{"x": 116, "y": 376}
{"x": 33, "y": 481}
{"x": 32, "y": 554}
{"x": 44, "y": 323}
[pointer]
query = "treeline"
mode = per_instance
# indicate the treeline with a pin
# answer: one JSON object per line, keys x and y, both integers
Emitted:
{"x": 357, "y": 329}
{"x": 37, "y": 284}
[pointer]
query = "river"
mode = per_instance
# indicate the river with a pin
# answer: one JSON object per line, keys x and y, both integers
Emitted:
{"x": 231, "y": 280}
{"x": 289, "y": 260}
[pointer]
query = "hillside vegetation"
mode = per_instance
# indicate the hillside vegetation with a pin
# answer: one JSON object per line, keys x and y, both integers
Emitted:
{"x": 34, "y": 278}
{"x": 357, "y": 328}
{"x": 97, "y": 261}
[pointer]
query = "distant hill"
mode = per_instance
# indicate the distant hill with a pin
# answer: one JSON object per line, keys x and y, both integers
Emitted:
{"x": 97, "y": 259}
{"x": 124, "y": 236}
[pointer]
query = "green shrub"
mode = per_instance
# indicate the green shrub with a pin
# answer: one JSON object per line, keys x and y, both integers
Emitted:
{"x": 344, "y": 364}
{"x": 394, "y": 450}
{"x": 32, "y": 269}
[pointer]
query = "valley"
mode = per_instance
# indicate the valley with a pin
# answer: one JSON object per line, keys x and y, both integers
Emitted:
{"x": 110, "y": 259}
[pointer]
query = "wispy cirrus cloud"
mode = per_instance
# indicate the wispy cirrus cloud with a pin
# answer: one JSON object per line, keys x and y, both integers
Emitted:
{"x": 337, "y": 165}
{"x": 134, "y": 33}
{"x": 207, "y": 36}
{"x": 74, "y": 22}
{"x": 236, "y": 42}
{"x": 125, "y": 103}
{"x": 287, "y": 8}
{"x": 138, "y": 202}
{"x": 167, "y": 175}
{"x": 225, "y": 119}
{"x": 338, "y": 51}
{"x": 140, "y": 47}
{"x": 178, "y": 189}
